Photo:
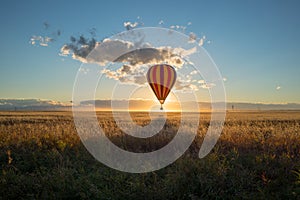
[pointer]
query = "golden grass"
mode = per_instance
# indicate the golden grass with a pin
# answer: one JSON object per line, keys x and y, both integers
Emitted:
{"x": 257, "y": 156}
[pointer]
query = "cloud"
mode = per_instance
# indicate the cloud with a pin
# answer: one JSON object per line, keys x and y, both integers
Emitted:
{"x": 130, "y": 25}
{"x": 128, "y": 74}
{"x": 132, "y": 66}
{"x": 138, "y": 62}
{"x": 151, "y": 55}
{"x": 136, "y": 76}
{"x": 207, "y": 85}
{"x": 84, "y": 70}
{"x": 178, "y": 28}
{"x": 192, "y": 37}
{"x": 201, "y": 42}
{"x": 79, "y": 48}
{"x": 194, "y": 72}
{"x": 40, "y": 40}
{"x": 31, "y": 104}
{"x": 185, "y": 83}
{"x": 93, "y": 31}
{"x": 134, "y": 63}
{"x": 188, "y": 83}
{"x": 46, "y": 25}
{"x": 45, "y": 40}
{"x": 184, "y": 52}
{"x": 140, "y": 79}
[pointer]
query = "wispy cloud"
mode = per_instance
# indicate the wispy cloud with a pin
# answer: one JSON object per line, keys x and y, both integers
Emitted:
{"x": 178, "y": 28}
{"x": 207, "y": 85}
{"x": 194, "y": 72}
{"x": 201, "y": 41}
{"x": 278, "y": 87}
{"x": 192, "y": 37}
{"x": 84, "y": 70}
{"x": 46, "y": 38}
{"x": 185, "y": 85}
{"x": 40, "y": 40}
{"x": 130, "y": 25}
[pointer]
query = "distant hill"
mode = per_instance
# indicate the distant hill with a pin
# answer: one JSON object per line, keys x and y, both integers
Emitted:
{"x": 32, "y": 104}
{"x": 40, "y": 104}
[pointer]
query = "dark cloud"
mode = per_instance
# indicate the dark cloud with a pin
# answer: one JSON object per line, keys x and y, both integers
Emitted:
{"x": 93, "y": 32}
{"x": 149, "y": 55}
{"x": 80, "y": 47}
{"x": 125, "y": 69}
{"x": 46, "y": 25}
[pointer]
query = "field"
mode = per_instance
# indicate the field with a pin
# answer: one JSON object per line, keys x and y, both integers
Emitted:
{"x": 256, "y": 157}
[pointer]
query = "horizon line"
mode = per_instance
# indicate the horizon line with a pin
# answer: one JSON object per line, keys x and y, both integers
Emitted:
{"x": 140, "y": 99}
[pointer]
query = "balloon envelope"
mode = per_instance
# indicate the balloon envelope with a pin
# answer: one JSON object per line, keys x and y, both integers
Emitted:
{"x": 161, "y": 79}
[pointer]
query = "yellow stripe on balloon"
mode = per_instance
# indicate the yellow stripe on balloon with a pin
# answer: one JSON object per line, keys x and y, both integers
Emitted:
{"x": 166, "y": 86}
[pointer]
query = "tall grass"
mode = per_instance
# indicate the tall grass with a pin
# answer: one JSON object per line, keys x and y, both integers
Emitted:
{"x": 256, "y": 157}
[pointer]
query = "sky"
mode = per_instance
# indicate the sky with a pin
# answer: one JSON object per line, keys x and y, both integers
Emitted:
{"x": 255, "y": 44}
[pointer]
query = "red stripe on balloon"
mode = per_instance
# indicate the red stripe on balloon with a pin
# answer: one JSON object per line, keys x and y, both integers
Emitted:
{"x": 162, "y": 77}
{"x": 153, "y": 74}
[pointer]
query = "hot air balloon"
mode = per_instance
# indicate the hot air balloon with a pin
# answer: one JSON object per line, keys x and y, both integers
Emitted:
{"x": 161, "y": 79}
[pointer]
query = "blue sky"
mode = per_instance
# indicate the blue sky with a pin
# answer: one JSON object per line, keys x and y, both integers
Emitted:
{"x": 254, "y": 43}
